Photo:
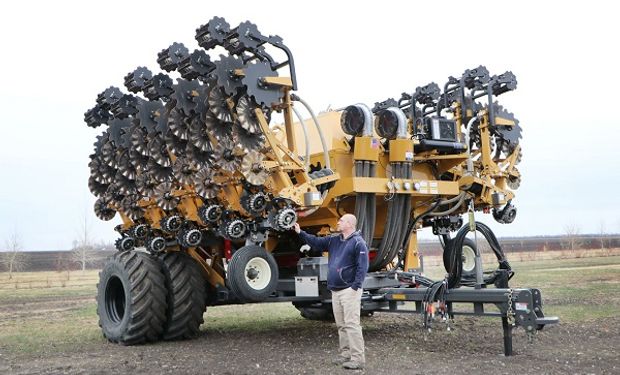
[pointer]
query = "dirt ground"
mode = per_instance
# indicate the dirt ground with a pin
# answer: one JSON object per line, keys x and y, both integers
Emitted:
{"x": 54, "y": 331}
{"x": 395, "y": 343}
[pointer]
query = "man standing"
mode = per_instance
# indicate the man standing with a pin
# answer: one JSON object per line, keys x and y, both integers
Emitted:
{"x": 347, "y": 267}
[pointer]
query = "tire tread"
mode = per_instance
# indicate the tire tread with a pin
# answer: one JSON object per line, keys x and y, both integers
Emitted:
{"x": 186, "y": 296}
{"x": 147, "y": 298}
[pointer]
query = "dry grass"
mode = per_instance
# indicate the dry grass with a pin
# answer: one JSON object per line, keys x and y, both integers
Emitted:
{"x": 51, "y": 279}
{"x": 38, "y": 318}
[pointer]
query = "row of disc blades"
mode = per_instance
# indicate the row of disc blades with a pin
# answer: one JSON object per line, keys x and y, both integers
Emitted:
{"x": 198, "y": 133}
{"x": 427, "y": 101}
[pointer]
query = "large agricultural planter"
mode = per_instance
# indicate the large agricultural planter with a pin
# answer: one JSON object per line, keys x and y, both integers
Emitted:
{"x": 208, "y": 189}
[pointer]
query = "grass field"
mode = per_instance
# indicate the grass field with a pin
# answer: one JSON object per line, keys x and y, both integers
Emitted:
{"x": 48, "y": 311}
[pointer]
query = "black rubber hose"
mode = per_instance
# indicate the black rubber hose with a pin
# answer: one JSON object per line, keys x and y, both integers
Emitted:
{"x": 362, "y": 209}
{"x": 405, "y": 205}
{"x": 387, "y": 232}
{"x": 455, "y": 265}
{"x": 378, "y": 261}
{"x": 411, "y": 227}
{"x": 360, "y": 199}
{"x": 393, "y": 245}
{"x": 371, "y": 210}
{"x": 365, "y": 203}
{"x": 366, "y": 173}
{"x": 406, "y": 208}
{"x": 398, "y": 234}
{"x": 375, "y": 264}
{"x": 395, "y": 213}
{"x": 407, "y": 212}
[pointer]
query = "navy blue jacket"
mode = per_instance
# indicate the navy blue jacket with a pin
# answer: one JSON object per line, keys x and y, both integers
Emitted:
{"x": 347, "y": 259}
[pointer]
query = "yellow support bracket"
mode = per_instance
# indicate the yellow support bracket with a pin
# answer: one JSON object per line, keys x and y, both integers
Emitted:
{"x": 212, "y": 276}
{"x": 279, "y": 81}
{"x": 412, "y": 257}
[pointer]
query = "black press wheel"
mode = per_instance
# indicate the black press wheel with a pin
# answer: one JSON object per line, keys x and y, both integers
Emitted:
{"x": 252, "y": 274}
{"x": 186, "y": 297}
{"x": 468, "y": 257}
{"x": 131, "y": 298}
{"x": 321, "y": 312}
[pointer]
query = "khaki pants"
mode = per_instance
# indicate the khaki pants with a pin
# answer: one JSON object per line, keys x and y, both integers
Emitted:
{"x": 346, "y": 305}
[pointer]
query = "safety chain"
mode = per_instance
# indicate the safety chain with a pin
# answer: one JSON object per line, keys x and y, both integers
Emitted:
{"x": 510, "y": 313}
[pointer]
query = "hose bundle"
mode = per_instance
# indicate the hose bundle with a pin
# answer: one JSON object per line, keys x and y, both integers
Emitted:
{"x": 454, "y": 267}
{"x": 365, "y": 207}
{"x": 436, "y": 292}
{"x": 434, "y": 299}
{"x": 395, "y": 232}
{"x": 410, "y": 225}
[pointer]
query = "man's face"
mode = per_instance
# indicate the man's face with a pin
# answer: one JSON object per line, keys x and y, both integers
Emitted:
{"x": 343, "y": 224}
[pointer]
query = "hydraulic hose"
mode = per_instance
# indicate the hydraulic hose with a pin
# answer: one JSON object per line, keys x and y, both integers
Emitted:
{"x": 306, "y": 141}
{"x": 392, "y": 232}
{"x": 371, "y": 208}
{"x": 392, "y": 245}
{"x": 360, "y": 199}
{"x": 400, "y": 214}
{"x": 377, "y": 262}
{"x": 318, "y": 128}
{"x": 461, "y": 199}
{"x": 415, "y": 220}
{"x": 408, "y": 174}
{"x": 455, "y": 265}
{"x": 411, "y": 227}
{"x": 323, "y": 144}
{"x": 365, "y": 209}
{"x": 448, "y": 201}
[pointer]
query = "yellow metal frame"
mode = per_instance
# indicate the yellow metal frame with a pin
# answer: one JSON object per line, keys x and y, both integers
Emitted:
{"x": 401, "y": 150}
{"x": 367, "y": 148}
{"x": 289, "y": 178}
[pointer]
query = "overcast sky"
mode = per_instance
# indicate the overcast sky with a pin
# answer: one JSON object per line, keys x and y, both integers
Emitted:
{"x": 57, "y": 56}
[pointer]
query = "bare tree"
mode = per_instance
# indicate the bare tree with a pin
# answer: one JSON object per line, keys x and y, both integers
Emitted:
{"x": 62, "y": 262}
{"x": 13, "y": 258}
{"x": 83, "y": 251}
{"x": 602, "y": 232}
{"x": 571, "y": 234}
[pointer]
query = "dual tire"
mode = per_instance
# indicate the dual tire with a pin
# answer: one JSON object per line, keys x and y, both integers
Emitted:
{"x": 141, "y": 298}
{"x": 187, "y": 296}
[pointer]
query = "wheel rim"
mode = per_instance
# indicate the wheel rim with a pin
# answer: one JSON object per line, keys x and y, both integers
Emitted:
{"x": 115, "y": 299}
{"x": 469, "y": 259}
{"x": 257, "y": 273}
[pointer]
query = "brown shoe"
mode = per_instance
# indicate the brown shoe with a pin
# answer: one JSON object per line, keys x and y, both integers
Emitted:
{"x": 353, "y": 365}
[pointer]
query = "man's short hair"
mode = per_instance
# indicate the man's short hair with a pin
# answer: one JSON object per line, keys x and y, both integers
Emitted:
{"x": 351, "y": 219}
